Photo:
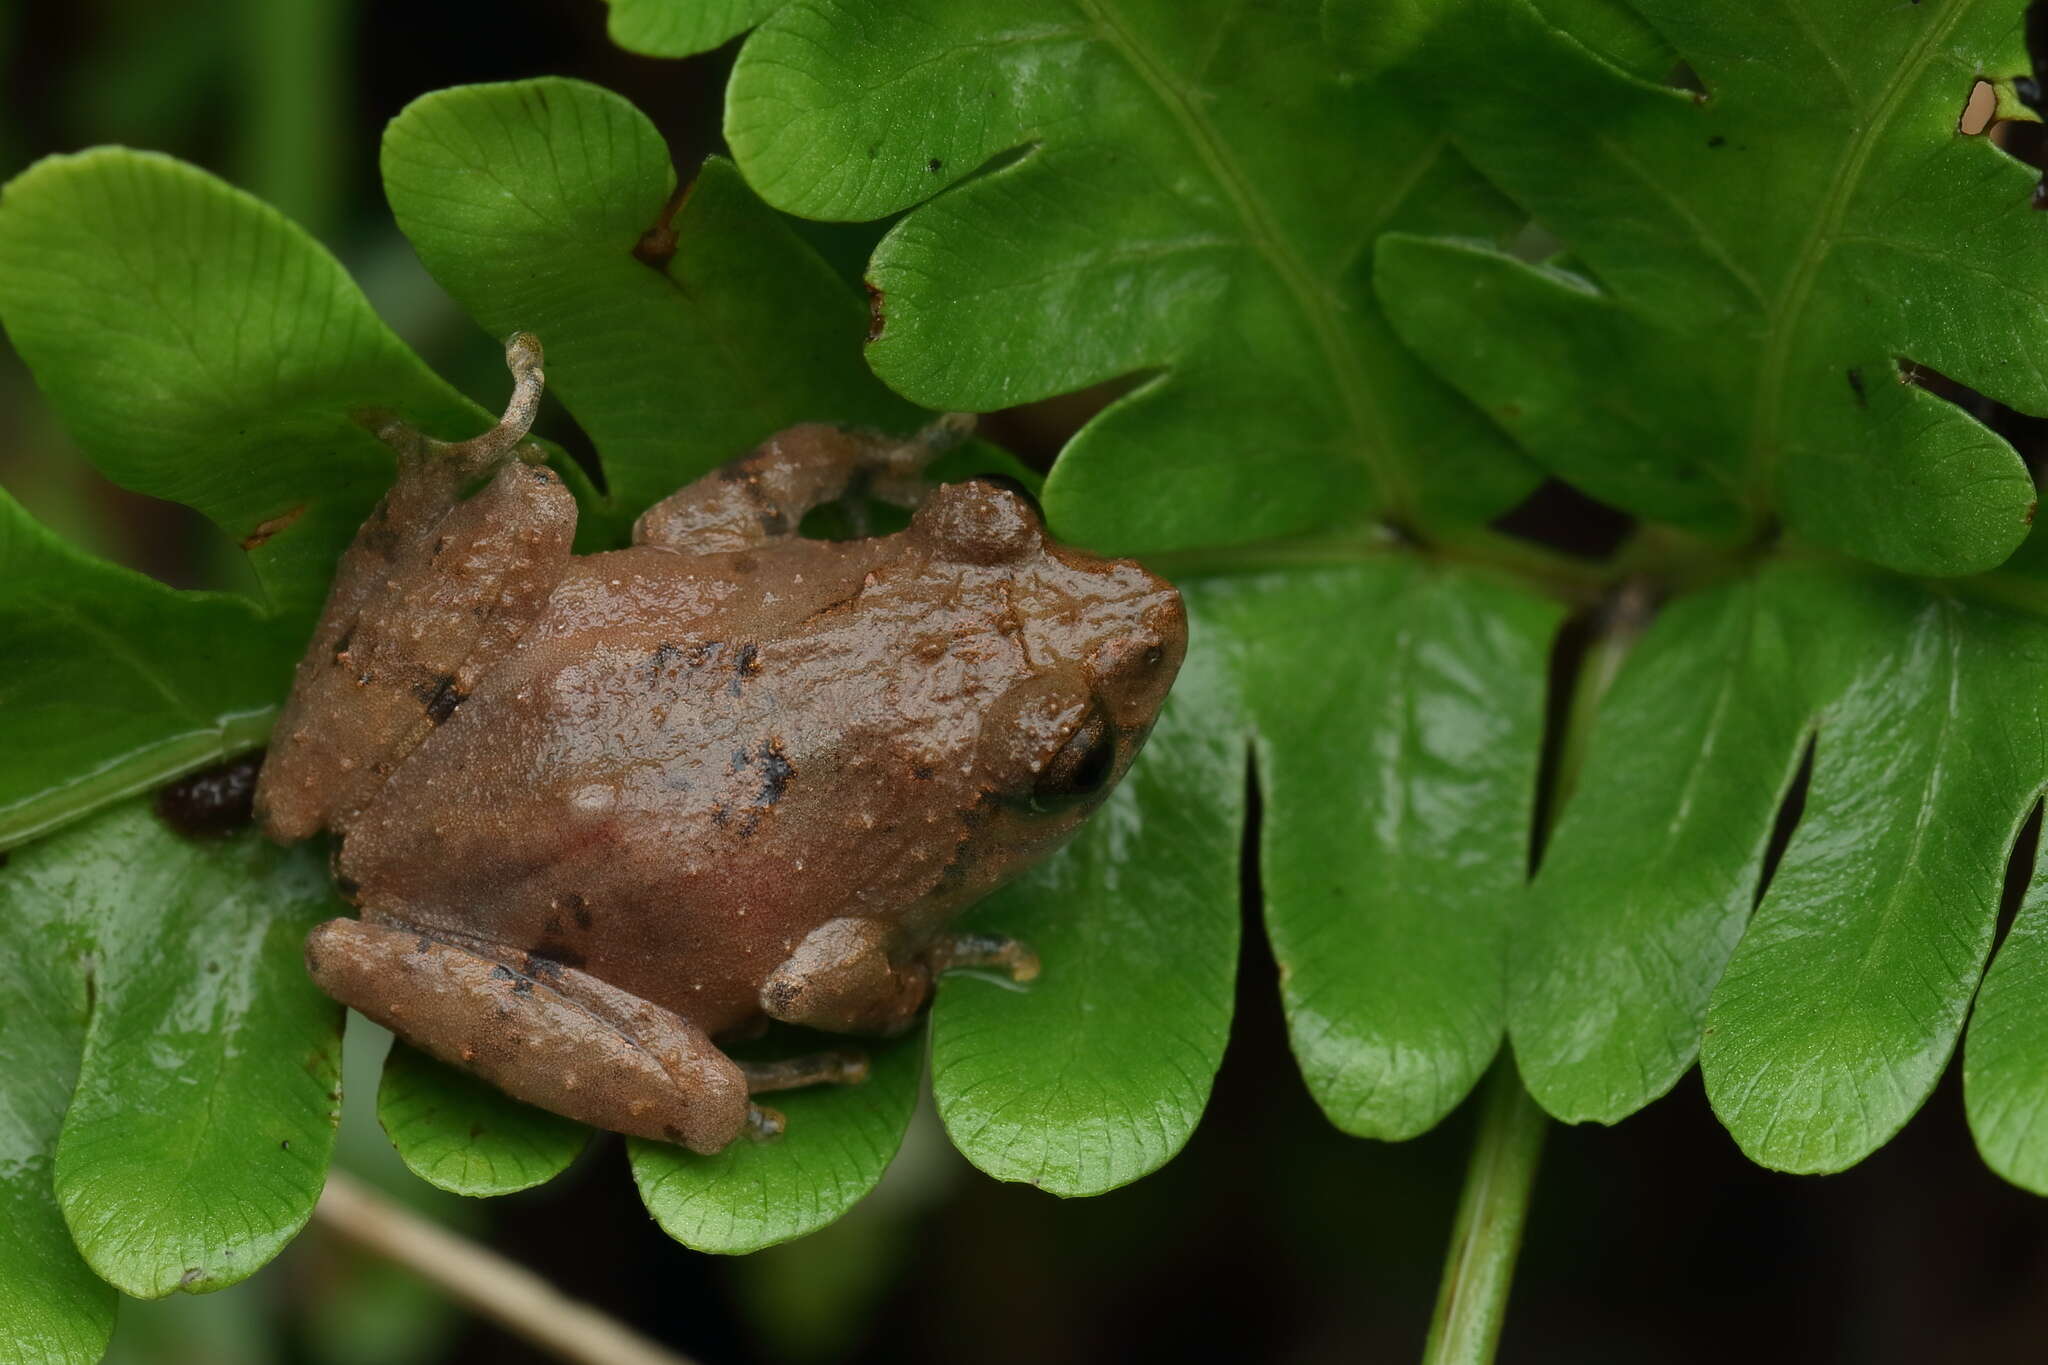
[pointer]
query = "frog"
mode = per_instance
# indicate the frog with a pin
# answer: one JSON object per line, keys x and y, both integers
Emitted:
{"x": 600, "y": 816}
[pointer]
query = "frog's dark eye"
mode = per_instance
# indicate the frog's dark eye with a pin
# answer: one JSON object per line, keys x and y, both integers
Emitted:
{"x": 1081, "y": 766}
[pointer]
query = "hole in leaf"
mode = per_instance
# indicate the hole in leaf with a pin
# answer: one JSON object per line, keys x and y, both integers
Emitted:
{"x": 1567, "y": 657}
{"x": 1931, "y": 380}
{"x": 2027, "y": 434}
{"x": 1036, "y": 432}
{"x": 556, "y": 423}
{"x": 1534, "y": 243}
{"x": 2019, "y": 874}
{"x": 1560, "y": 517}
{"x": 1683, "y": 77}
{"x": 1789, "y": 811}
{"x": 213, "y": 802}
{"x": 1250, "y": 874}
{"x": 1596, "y": 638}
{"x": 2028, "y": 87}
{"x": 1978, "y": 109}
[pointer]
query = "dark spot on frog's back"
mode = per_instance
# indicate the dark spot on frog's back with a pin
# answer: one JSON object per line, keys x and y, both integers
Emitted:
{"x": 657, "y": 663}
{"x": 212, "y": 802}
{"x": 1856, "y": 387}
{"x": 777, "y": 772}
{"x": 745, "y": 664}
{"x": 443, "y": 698}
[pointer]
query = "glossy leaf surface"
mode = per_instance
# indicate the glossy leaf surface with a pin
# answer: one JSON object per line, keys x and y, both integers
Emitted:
{"x": 461, "y": 1135}
{"x": 52, "y": 1307}
{"x": 1649, "y": 878}
{"x": 198, "y": 1136}
{"x": 1398, "y": 715}
{"x": 1095, "y": 1073}
{"x": 672, "y": 366}
{"x": 163, "y": 974}
{"x": 115, "y": 683}
{"x": 1846, "y": 996}
{"x": 2005, "y": 1069}
{"x": 755, "y": 1194}
{"x": 219, "y": 359}
{"x": 1751, "y": 266}
{"x": 680, "y": 28}
{"x": 1130, "y": 188}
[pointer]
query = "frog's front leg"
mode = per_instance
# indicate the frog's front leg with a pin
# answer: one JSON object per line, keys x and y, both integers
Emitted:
{"x": 433, "y": 590}
{"x": 845, "y": 977}
{"x": 763, "y": 496}
{"x": 541, "y": 1032}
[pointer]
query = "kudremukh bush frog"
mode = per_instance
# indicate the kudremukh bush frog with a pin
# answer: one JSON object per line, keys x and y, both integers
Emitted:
{"x": 600, "y": 811}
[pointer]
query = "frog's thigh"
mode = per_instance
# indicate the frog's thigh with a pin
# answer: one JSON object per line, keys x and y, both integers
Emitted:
{"x": 421, "y": 608}
{"x": 842, "y": 978}
{"x": 559, "y": 1039}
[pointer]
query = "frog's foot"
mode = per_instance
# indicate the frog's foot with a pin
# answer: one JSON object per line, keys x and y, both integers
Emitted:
{"x": 479, "y": 454}
{"x": 763, "y": 496}
{"x": 982, "y": 950}
{"x": 541, "y": 1032}
{"x": 840, "y": 1066}
{"x": 896, "y": 471}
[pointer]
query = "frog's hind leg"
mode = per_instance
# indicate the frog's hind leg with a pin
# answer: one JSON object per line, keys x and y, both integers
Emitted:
{"x": 433, "y": 590}
{"x": 763, "y": 496}
{"x": 541, "y": 1032}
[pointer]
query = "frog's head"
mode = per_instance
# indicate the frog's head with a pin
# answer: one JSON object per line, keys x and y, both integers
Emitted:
{"x": 1099, "y": 640}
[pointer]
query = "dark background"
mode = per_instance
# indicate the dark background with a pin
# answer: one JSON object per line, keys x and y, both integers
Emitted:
{"x": 1272, "y": 1237}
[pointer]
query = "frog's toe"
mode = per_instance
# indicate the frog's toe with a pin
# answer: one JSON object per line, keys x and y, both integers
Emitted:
{"x": 764, "y": 1123}
{"x": 841, "y": 1066}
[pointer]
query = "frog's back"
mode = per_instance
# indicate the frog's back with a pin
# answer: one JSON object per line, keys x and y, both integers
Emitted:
{"x": 676, "y": 776}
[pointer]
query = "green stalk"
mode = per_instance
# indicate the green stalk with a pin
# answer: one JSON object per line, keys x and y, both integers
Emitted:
{"x": 1487, "y": 1236}
{"x": 295, "y": 56}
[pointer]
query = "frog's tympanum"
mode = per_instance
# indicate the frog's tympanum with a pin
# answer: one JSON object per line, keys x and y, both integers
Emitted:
{"x": 599, "y": 811}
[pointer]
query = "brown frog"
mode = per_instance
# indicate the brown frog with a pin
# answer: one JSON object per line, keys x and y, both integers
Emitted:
{"x": 598, "y": 811}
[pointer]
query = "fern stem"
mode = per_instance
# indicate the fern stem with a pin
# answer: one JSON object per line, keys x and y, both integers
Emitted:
{"x": 295, "y": 58}
{"x": 1479, "y": 1269}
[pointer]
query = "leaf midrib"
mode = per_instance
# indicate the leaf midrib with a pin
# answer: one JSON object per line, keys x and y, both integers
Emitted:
{"x": 1263, "y": 234}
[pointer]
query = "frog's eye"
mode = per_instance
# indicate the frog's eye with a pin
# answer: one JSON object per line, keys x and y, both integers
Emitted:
{"x": 1015, "y": 488}
{"x": 978, "y": 522}
{"x": 1081, "y": 767}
